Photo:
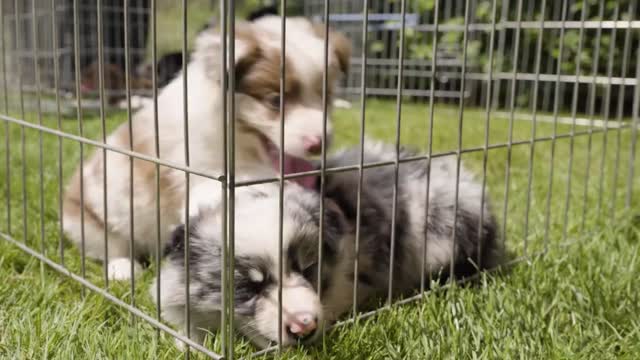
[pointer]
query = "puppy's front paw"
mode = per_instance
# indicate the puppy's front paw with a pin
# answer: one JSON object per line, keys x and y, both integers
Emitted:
{"x": 119, "y": 269}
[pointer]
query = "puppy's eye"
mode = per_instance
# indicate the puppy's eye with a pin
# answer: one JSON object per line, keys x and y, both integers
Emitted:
{"x": 273, "y": 100}
{"x": 309, "y": 271}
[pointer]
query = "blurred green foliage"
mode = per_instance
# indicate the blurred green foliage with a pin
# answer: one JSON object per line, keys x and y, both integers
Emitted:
{"x": 420, "y": 43}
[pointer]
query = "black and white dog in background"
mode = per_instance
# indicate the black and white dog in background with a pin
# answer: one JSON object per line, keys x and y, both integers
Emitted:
{"x": 304, "y": 312}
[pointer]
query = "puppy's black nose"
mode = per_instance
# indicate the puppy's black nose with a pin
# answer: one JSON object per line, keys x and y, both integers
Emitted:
{"x": 301, "y": 325}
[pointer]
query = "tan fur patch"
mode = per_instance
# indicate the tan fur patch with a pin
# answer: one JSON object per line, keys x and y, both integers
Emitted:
{"x": 73, "y": 205}
{"x": 246, "y": 35}
{"x": 263, "y": 78}
{"x": 339, "y": 43}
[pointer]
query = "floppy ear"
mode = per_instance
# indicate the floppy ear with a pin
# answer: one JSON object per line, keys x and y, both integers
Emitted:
{"x": 246, "y": 50}
{"x": 336, "y": 225}
{"x": 176, "y": 245}
{"x": 342, "y": 48}
{"x": 338, "y": 44}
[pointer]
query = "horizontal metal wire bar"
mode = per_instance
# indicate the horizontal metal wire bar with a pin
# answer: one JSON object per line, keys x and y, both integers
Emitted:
{"x": 534, "y": 25}
{"x": 421, "y": 157}
{"x": 585, "y": 79}
{"x": 137, "y": 155}
{"x": 393, "y": 62}
{"x": 408, "y": 92}
{"x": 512, "y": 262}
{"x": 27, "y": 53}
{"x": 190, "y": 170}
{"x": 550, "y": 78}
{"x": 135, "y": 311}
{"x": 566, "y": 120}
{"x": 524, "y": 76}
{"x": 413, "y": 298}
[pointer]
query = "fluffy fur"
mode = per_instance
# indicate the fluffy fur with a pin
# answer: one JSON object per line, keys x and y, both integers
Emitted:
{"x": 476, "y": 243}
{"x": 256, "y": 244}
{"x": 257, "y": 120}
{"x": 256, "y": 275}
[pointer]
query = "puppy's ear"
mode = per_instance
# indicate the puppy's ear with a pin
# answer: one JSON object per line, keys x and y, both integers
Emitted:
{"x": 336, "y": 225}
{"x": 246, "y": 49}
{"x": 342, "y": 48}
{"x": 176, "y": 245}
{"x": 338, "y": 44}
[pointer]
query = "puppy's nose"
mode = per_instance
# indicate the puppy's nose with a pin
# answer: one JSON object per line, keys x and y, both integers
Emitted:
{"x": 301, "y": 325}
{"x": 312, "y": 144}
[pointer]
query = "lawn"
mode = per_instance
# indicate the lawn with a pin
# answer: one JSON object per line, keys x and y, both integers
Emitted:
{"x": 579, "y": 300}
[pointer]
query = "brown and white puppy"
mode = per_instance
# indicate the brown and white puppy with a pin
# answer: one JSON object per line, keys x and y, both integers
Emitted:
{"x": 257, "y": 141}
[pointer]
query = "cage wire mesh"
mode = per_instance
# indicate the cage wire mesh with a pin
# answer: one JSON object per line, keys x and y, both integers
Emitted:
{"x": 563, "y": 74}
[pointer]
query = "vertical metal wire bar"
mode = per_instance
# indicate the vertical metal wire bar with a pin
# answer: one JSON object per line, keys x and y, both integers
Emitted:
{"x": 7, "y": 135}
{"x": 634, "y": 135}
{"x": 502, "y": 38}
{"x": 76, "y": 55}
{"x": 512, "y": 108}
{"x": 101, "y": 86}
{"x": 592, "y": 109}
{"x": 534, "y": 124}
{"x": 22, "y": 129}
{"x": 386, "y": 39}
{"x": 156, "y": 134}
{"x": 555, "y": 126}
{"x": 412, "y": 83}
{"x": 574, "y": 108}
{"x": 323, "y": 160}
{"x": 127, "y": 71}
{"x": 557, "y": 8}
{"x": 487, "y": 123}
{"x": 34, "y": 30}
{"x": 56, "y": 85}
{"x": 394, "y": 210}
{"x": 225, "y": 185}
{"x": 283, "y": 29}
{"x": 447, "y": 15}
{"x": 422, "y": 80}
{"x": 459, "y": 148}
{"x": 473, "y": 35}
{"x": 620, "y": 110}
{"x": 392, "y": 45}
{"x": 526, "y": 48}
{"x": 363, "y": 103}
{"x": 607, "y": 108}
{"x": 231, "y": 175}
{"x": 185, "y": 112}
{"x": 432, "y": 90}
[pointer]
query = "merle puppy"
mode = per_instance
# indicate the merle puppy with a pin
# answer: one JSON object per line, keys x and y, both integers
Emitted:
{"x": 256, "y": 275}
{"x": 466, "y": 237}
{"x": 428, "y": 232}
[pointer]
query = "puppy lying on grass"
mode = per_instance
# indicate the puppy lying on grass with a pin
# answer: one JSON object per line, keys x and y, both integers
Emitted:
{"x": 310, "y": 300}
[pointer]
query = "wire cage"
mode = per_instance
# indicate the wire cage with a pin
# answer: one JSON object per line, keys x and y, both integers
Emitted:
{"x": 500, "y": 84}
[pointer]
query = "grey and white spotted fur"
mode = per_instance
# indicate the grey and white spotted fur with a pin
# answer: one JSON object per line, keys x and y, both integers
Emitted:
{"x": 256, "y": 241}
{"x": 476, "y": 244}
{"x": 256, "y": 265}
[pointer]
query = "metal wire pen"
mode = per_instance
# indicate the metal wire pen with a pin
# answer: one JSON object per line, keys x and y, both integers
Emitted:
{"x": 538, "y": 82}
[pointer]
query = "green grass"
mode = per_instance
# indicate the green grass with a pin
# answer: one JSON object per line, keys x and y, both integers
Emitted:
{"x": 578, "y": 301}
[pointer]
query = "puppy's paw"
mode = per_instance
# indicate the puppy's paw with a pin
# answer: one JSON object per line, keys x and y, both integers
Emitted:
{"x": 119, "y": 269}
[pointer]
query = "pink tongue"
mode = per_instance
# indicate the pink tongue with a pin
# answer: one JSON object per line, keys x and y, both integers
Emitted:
{"x": 294, "y": 165}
